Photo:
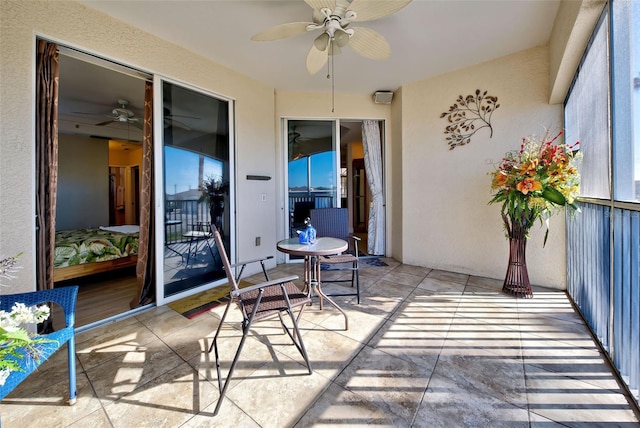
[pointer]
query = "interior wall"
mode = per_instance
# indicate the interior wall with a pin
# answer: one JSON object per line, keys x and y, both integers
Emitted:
{"x": 83, "y": 183}
{"x": 394, "y": 193}
{"x": 125, "y": 157}
{"x": 447, "y": 221}
{"x": 73, "y": 24}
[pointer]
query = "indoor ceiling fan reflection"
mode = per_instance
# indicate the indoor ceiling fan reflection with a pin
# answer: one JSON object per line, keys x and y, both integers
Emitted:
{"x": 122, "y": 115}
{"x": 298, "y": 144}
{"x": 170, "y": 119}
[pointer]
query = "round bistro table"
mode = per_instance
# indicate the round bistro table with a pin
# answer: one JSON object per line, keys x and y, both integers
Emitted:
{"x": 324, "y": 246}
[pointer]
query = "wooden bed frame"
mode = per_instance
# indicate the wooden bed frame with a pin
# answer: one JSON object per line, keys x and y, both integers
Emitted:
{"x": 70, "y": 272}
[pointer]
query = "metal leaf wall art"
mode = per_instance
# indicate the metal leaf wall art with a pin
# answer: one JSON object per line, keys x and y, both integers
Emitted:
{"x": 467, "y": 116}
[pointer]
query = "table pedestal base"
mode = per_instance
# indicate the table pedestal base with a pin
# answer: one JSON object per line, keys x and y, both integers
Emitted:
{"x": 311, "y": 275}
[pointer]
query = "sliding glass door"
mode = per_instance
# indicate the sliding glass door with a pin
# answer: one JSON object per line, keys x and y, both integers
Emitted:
{"x": 312, "y": 169}
{"x": 195, "y": 181}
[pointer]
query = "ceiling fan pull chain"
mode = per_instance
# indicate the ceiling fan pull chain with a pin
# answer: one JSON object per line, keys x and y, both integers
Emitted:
{"x": 333, "y": 78}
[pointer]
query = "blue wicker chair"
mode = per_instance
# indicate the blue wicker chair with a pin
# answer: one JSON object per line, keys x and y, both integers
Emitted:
{"x": 66, "y": 298}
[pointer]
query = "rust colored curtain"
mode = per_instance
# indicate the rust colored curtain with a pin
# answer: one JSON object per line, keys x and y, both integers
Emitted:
{"x": 47, "y": 77}
{"x": 145, "y": 273}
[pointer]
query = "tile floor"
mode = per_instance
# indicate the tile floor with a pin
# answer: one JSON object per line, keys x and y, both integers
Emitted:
{"x": 425, "y": 348}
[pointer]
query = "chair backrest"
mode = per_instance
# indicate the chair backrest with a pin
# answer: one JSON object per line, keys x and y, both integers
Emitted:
{"x": 331, "y": 222}
{"x": 301, "y": 210}
{"x": 225, "y": 260}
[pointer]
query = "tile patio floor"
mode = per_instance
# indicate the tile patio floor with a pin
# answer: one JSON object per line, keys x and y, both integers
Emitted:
{"x": 425, "y": 348}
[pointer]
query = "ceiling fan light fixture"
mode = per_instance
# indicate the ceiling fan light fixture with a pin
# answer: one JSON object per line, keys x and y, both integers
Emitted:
{"x": 321, "y": 42}
{"x": 341, "y": 38}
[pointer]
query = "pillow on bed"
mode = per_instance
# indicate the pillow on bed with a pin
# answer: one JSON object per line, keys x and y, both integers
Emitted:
{"x": 128, "y": 228}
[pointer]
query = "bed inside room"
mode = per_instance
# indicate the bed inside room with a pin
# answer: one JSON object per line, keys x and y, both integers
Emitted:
{"x": 82, "y": 252}
{"x": 97, "y": 204}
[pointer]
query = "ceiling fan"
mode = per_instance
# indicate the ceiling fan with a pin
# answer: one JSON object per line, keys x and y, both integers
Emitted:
{"x": 122, "y": 115}
{"x": 294, "y": 144}
{"x": 170, "y": 119}
{"x": 333, "y": 18}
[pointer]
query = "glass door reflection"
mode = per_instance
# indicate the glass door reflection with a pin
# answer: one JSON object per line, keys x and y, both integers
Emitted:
{"x": 196, "y": 187}
{"x": 312, "y": 169}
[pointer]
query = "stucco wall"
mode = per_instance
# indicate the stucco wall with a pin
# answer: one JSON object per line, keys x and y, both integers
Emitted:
{"x": 447, "y": 223}
{"x": 73, "y": 24}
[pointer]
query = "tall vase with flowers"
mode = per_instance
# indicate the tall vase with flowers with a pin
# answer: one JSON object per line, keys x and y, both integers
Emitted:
{"x": 533, "y": 183}
{"x": 213, "y": 191}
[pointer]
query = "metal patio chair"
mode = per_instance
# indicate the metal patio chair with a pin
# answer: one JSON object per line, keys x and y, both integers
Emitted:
{"x": 258, "y": 302}
{"x": 200, "y": 232}
{"x": 334, "y": 222}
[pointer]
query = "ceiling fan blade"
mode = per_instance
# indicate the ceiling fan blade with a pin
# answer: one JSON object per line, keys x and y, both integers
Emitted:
{"x": 106, "y": 122}
{"x": 184, "y": 116}
{"x": 370, "y": 43}
{"x": 87, "y": 113}
{"x": 176, "y": 124}
{"x": 316, "y": 59}
{"x": 319, "y": 4}
{"x": 282, "y": 31}
{"x": 137, "y": 124}
{"x": 369, "y": 10}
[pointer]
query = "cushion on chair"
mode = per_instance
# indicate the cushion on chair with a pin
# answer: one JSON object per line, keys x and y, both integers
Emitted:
{"x": 272, "y": 301}
{"x": 340, "y": 258}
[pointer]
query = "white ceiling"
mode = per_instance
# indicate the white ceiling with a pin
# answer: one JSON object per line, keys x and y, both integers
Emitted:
{"x": 427, "y": 38}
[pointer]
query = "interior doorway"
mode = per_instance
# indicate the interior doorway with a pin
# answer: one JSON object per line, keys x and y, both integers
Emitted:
{"x": 360, "y": 197}
{"x": 100, "y": 113}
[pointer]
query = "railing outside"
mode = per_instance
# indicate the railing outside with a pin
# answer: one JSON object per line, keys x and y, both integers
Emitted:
{"x": 320, "y": 201}
{"x": 603, "y": 279}
{"x": 182, "y": 216}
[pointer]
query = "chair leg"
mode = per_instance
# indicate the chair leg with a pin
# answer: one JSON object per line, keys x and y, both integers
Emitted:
{"x": 246, "y": 326}
{"x": 299, "y": 313}
{"x": 214, "y": 343}
{"x": 356, "y": 272}
{"x": 299, "y": 343}
{"x": 71, "y": 350}
{"x": 223, "y": 391}
{"x": 189, "y": 252}
{"x": 224, "y": 316}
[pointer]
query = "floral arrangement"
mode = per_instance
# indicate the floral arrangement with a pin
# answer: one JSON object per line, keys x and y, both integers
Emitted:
{"x": 15, "y": 341}
{"x": 213, "y": 187}
{"x": 533, "y": 182}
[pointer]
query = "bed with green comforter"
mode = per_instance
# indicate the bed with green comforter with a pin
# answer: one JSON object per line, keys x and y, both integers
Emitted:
{"x": 81, "y": 246}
